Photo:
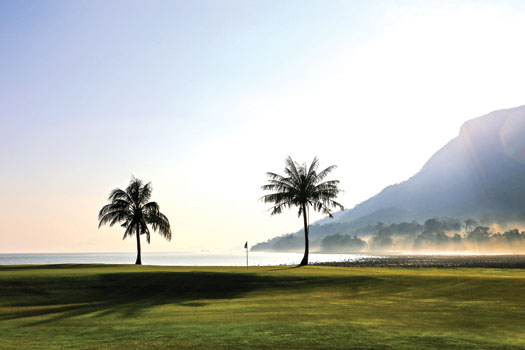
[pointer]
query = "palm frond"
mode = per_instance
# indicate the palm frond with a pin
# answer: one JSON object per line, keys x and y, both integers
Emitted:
{"x": 311, "y": 174}
{"x": 127, "y": 232}
{"x": 274, "y": 176}
{"x": 145, "y": 193}
{"x": 313, "y": 166}
{"x": 159, "y": 223}
{"x": 130, "y": 230}
{"x": 292, "y": 169}
{"x": 278, "y": 209}
{"x": 280, "y": 197}
{"x": 324, "y": 173}
{"x": 144, "y": 230}
{"x": 151, "y": 207}
{"x": 118, "y": 217}
{"x": 113, "y": 217}
{"x": 133, "y": 190}
{"x": 118, "y": 194}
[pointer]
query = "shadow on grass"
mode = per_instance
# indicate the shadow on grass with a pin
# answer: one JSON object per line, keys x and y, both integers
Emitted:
{"x": 128, "y": 294}
{"x": 285, "y": 267}
{"x": 52, "y": 267}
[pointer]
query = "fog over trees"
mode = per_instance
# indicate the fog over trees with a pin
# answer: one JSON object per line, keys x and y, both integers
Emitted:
{"x": 433, "y": 235}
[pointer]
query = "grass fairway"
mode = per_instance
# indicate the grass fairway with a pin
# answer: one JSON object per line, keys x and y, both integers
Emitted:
{"x": 130, "y": 307}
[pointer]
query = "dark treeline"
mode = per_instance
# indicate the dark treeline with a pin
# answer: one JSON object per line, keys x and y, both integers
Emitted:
{"x": 444, "y": 234}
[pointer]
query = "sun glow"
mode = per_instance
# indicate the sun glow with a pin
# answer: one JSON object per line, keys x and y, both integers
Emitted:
{"x": 205, "y": 109}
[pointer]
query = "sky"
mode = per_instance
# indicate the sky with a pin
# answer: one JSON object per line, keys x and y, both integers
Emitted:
{"x": 202, "y": 98}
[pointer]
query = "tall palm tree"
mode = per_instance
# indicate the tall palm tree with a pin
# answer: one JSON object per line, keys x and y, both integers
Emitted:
{"x": 131, "y": 209}
{"x": 302, "y": 187}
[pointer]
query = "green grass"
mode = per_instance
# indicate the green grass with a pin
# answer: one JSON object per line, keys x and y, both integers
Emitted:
{"x": 130, "y": 307}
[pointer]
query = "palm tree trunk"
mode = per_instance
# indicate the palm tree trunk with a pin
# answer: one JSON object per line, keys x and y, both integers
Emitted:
{"x": 306, "y": 247}
{"x": 139, "y": 259}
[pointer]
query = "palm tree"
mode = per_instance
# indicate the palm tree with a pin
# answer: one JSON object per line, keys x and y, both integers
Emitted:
{"x": 302, "y": 187}
{"x": 131, "y": 209}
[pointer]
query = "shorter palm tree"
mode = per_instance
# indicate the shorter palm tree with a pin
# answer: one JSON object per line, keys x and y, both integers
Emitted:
{"x": 131, "y": 209}
{"x": 302, "y": 187}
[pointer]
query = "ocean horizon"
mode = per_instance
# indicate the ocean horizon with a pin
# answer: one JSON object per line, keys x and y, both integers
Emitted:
{"x": 174, "y": 258}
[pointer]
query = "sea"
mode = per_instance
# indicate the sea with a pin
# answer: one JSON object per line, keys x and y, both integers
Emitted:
{"x": 175, "y": 259}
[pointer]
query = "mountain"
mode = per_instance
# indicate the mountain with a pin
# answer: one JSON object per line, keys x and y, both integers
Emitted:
{"x": 479, "y": 174}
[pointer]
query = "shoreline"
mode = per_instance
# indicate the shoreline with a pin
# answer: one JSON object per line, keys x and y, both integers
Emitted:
{"x": 516, "y": 261}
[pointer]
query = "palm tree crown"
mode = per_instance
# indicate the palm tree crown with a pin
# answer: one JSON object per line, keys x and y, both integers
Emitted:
{"x": 302, "y": 187}
{"x": 131, "y": 209}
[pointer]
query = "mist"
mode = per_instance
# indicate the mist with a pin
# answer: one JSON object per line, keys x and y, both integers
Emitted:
{"x": 442, "y": 236}
{"x": 437, "y": 235}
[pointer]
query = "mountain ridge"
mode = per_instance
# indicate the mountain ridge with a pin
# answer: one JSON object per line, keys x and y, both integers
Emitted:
{"x": 479, "y": 174}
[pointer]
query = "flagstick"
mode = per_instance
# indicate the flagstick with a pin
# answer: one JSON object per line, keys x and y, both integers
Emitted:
{"x": 246, "y": 257}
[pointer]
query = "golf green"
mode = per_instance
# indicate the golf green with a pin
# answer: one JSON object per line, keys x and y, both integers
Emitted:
{"x": 143, "y": 307}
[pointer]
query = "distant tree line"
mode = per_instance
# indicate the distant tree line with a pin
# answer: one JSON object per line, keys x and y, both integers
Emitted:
{"x": 342, "y": 244}
{"x": 443, "y": 234}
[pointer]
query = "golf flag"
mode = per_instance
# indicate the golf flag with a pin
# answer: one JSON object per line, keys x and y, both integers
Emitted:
{"x": 246, "y": 247}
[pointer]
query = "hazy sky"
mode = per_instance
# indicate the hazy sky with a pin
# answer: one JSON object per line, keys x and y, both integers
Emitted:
{"x": 203, "y": 97}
